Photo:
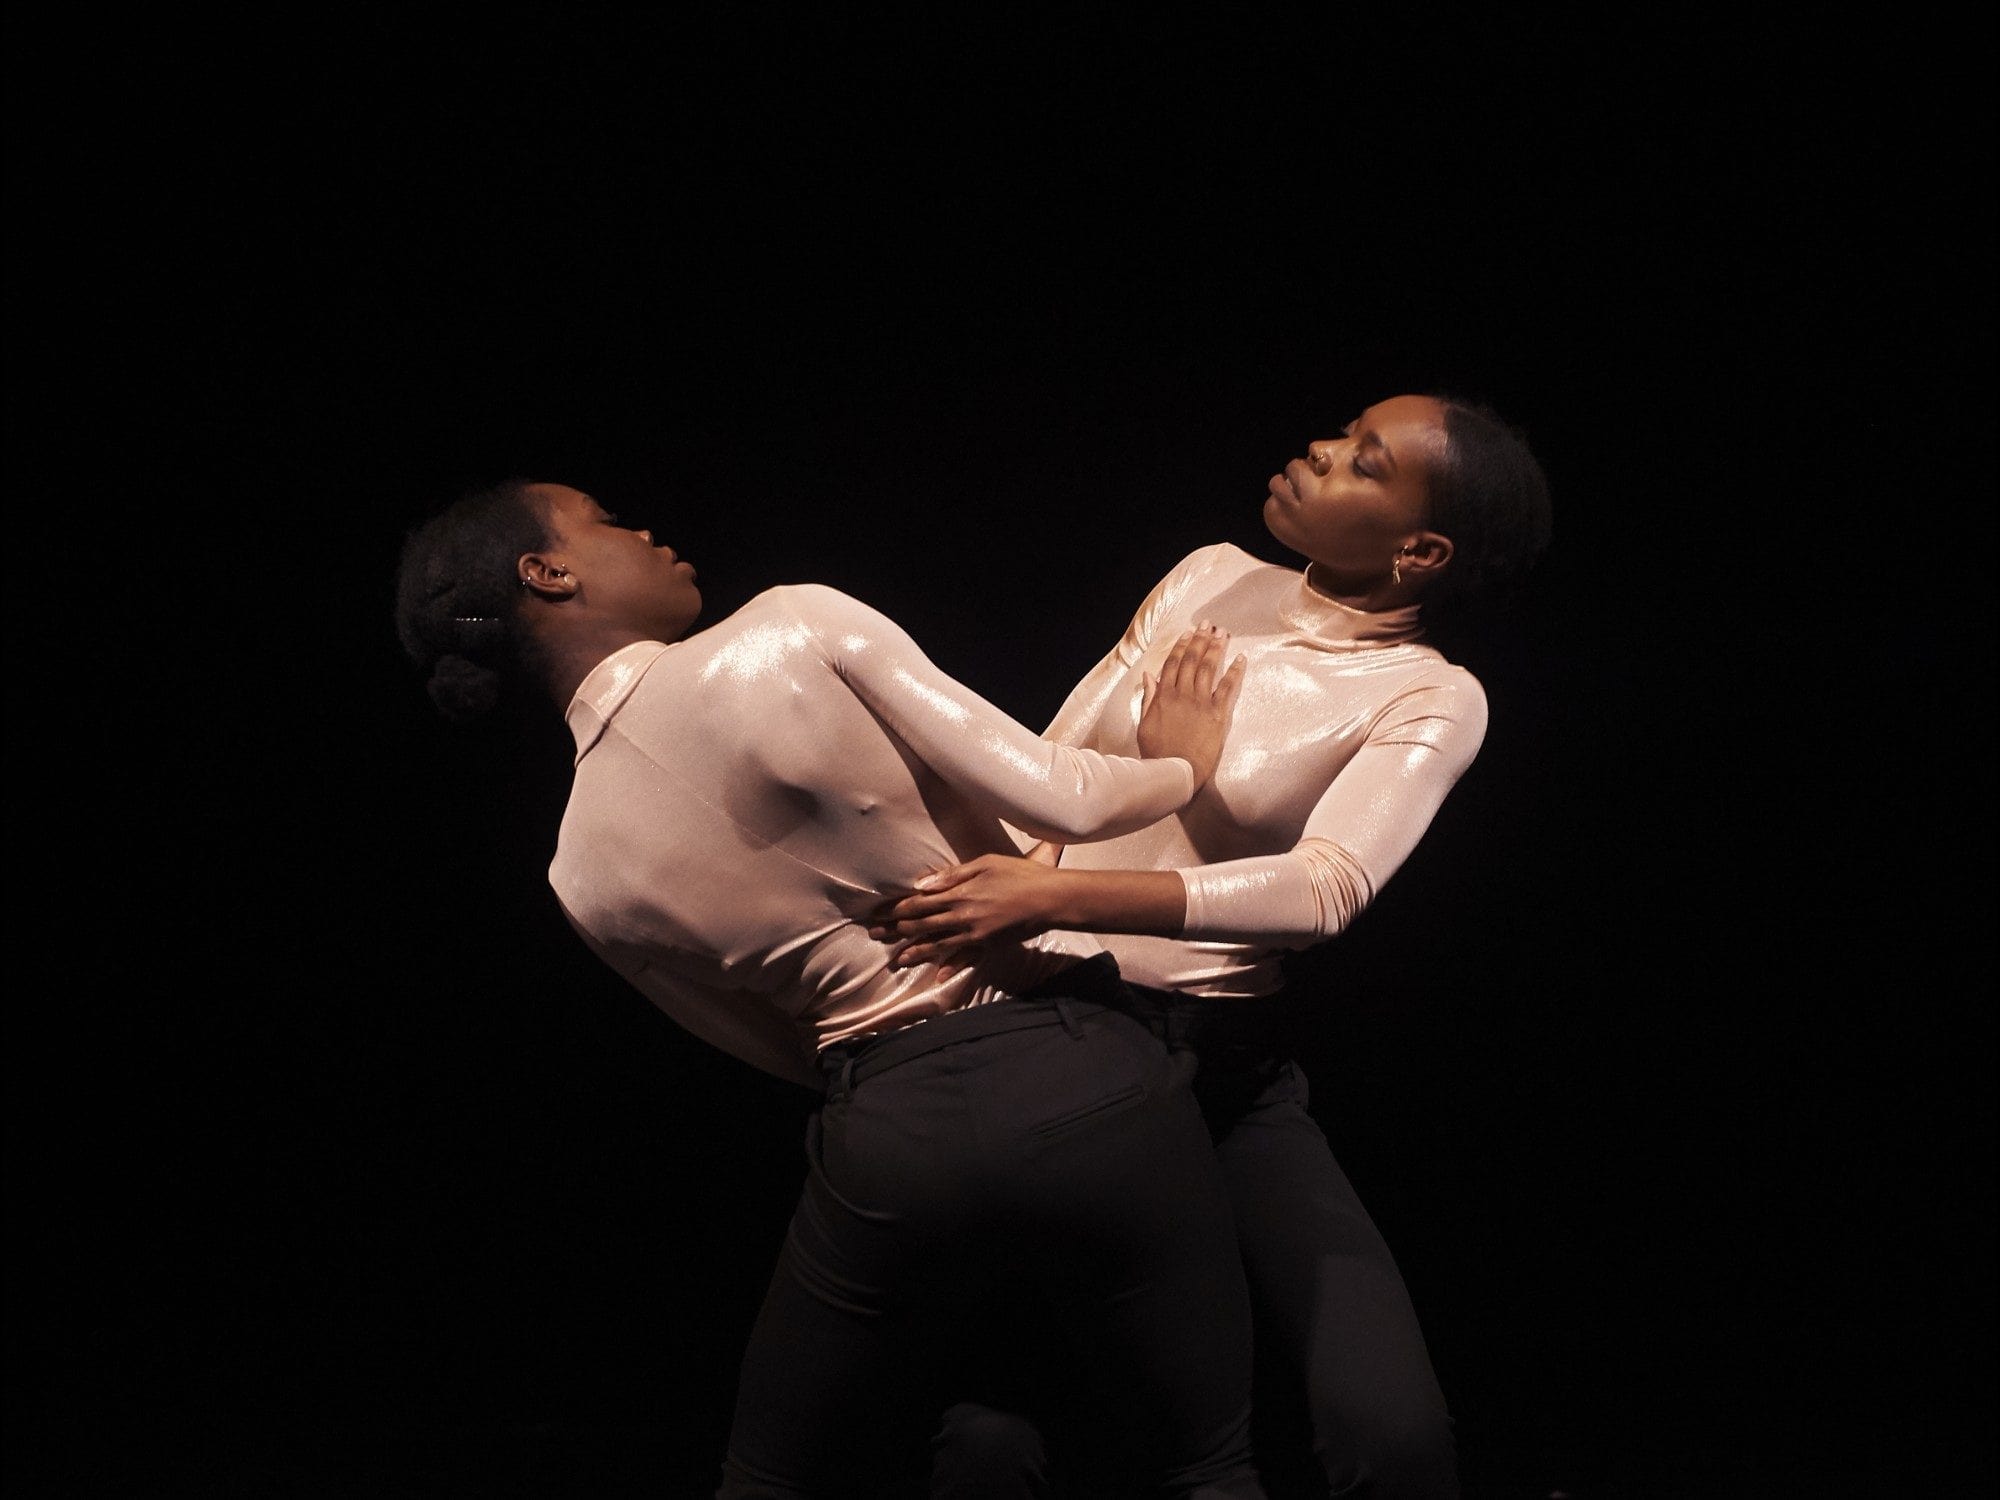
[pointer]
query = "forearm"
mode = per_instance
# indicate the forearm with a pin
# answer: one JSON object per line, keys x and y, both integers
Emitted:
{"x": 1152, "y": 902}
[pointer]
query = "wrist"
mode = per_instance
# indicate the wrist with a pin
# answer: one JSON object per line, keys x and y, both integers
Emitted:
{"x": 1064, "y": 901}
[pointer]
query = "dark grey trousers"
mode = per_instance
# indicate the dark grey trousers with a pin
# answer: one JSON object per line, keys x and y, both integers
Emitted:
{"x": 1035, "y": 1173}
{"x": 1347, "y": 1402}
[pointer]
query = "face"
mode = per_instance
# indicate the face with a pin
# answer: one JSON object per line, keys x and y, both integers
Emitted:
{"x": 616, "y": 569}
{"x": 1353, "y": 500}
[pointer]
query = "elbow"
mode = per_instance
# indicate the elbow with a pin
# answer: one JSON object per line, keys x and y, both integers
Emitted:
{"x": 1341, "y": 889}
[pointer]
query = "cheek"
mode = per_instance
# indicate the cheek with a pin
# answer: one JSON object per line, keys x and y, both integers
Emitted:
{"x": 1327, "y": 530}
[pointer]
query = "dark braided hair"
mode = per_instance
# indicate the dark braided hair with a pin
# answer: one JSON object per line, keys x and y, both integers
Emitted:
{"x": 457, "y": 589}
{"x": 1490, "y": 496}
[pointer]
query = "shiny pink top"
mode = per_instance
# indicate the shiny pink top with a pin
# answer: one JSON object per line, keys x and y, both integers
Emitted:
{"x": 1348, "y": 734}
{"x": 743, "y": 798}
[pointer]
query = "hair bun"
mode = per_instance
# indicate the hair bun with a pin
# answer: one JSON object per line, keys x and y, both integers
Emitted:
{"x": 462, "y": 689}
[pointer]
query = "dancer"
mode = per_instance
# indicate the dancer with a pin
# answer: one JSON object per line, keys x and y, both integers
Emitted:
{"x": 742, "y": 797}
{"x": 1351, "y": 731}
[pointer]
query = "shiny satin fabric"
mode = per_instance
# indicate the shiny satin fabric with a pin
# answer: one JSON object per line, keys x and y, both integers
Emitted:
{"x": 745, "y": 797}
{"x": 1349, "y": 733}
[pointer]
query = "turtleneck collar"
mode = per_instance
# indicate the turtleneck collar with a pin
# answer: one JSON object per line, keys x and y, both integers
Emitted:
{"x": 1336, "y": 626}
{"x": 605, "y": 687}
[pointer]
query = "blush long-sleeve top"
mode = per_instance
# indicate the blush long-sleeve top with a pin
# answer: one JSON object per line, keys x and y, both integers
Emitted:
{"x": 743, "y": 798}
{"x": 1348, "y": 734}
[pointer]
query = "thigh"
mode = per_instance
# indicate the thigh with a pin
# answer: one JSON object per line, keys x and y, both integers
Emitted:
{"x": 1143, "y": 1323}
{"x": 1334, "y": 1322}
{"x": 1056, "y": 1182}
{"x": 831, "y": 1397}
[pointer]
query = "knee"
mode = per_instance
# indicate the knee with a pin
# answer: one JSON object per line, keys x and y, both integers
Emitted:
{"x": 984, "y": 1453}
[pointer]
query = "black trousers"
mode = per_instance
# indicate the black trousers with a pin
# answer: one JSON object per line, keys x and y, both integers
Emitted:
{"x": 1347, "y": 1403}
{"x": 1038, "y": 1170}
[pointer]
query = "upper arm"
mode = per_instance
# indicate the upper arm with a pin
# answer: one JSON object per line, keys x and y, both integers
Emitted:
{"x": 1358, "y": 834}
{"x": 1051, "y": 791}
{"x": 1383, "y": 800}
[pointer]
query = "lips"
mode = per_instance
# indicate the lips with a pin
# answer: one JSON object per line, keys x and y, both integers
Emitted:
{"x": 1282, "y": 487}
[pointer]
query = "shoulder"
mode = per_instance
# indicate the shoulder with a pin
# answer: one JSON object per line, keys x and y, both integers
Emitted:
{"x": 1456, "y": 680}
{"x": 1450, "y": 688}
{"x": 844, "y": 622}
{"x": 1220, "y": 560}
{"x": 1207, "y": 570}
{"x": 809, "y": 602}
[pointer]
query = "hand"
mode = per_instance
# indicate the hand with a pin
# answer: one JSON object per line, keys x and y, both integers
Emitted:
{"x": 1186, "y": 709}
{"x": 996, "y": 897}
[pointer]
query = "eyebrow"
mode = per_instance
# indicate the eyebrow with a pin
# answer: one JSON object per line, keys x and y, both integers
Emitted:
{"x": 1373, "y": 443}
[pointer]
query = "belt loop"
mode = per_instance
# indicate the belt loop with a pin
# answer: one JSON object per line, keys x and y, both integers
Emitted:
{"x": 843, "y": 1085}
{"x": 1070, "y": 1023}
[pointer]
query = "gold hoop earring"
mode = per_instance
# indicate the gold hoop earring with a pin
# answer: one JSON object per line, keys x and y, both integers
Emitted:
{"x": 1396, "y": 569}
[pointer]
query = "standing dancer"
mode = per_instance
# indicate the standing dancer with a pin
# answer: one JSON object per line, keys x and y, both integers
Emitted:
{"x": 1351, "y": 730}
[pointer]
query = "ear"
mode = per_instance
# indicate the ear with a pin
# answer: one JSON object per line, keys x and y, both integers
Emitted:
{"x": 1427, "y": 553}
{"x": 540, "y": 574}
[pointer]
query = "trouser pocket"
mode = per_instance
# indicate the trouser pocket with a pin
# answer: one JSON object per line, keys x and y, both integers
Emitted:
{"x": 1084, "y": 1114}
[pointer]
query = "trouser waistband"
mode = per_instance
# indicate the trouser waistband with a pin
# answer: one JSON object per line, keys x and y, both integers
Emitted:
{"x": 1220, "y": 1030}
{"x": 1084, "y": 989}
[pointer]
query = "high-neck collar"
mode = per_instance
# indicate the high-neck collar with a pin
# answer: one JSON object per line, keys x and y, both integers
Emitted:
{"x": 606, "y": 686}
{"x": 1327, "y": 622}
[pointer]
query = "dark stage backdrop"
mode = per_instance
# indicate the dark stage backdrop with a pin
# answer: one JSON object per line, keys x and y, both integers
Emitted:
{"x": 336, "y": 1168}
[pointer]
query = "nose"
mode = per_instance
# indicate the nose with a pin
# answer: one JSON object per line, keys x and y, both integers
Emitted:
{"x": 1320, "y": 456}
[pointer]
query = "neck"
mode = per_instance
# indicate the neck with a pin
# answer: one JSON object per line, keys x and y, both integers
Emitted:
{"x": 568, "y": 656}
{"x": 1382, "y": 594}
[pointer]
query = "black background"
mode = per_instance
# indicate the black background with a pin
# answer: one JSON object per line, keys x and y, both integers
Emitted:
{"x": 336, "y": 1168}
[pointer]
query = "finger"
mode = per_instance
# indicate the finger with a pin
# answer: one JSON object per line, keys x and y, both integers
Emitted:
{"x": 904, "y": 909}
{"x": 1207, "y": 662}
{"x": 1232, "y": 682}
{"x": 912, "y": 955}
{"x": 914, "y": 922}
{"x": 1215, "y": 645}
{"x": 925, "y": 953}
{"x": 1174, "y": 671}
{"x": 1150, "y": 686}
